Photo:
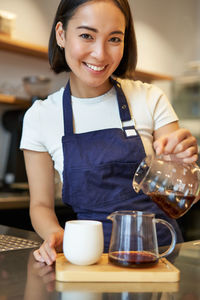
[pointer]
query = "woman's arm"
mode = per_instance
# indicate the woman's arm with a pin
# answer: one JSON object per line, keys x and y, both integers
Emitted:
{"x": 40, "y": 172}
{"x": 178, "y": 142}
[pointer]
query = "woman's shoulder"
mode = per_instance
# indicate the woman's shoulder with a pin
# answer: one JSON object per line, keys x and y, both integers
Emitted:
{"x": 137, "y": 86}
{"x": 53, "y": 100}
{"x": 50, "y": 104}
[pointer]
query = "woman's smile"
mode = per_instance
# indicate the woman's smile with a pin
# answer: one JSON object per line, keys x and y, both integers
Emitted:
{"x": 94, "y": 67}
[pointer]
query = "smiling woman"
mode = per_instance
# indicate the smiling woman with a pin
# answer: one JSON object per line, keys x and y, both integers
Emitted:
{"x": 93, "y": 46}
{"x": 128, "y": 62}
{"x": 96, "y": 131}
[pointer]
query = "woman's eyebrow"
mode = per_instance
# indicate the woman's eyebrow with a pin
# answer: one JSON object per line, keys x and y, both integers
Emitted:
{"x": 117, "y": 32}
{"x": 95, "y": 30}
{"x": 88, "y": 28}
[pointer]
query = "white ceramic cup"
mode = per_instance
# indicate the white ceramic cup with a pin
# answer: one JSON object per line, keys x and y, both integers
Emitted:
{"x": 83, "y": 241}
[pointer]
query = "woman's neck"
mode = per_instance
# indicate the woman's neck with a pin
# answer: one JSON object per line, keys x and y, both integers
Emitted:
{"x": 80, "y": 90}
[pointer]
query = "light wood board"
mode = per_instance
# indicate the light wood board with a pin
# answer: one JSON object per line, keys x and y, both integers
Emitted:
{"x": 118, "y": 287}
{"x": 104, "y": 271}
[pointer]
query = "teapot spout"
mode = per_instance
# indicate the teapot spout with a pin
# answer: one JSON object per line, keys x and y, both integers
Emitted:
{"x": 120, "y": 213}
{"x": 111, "y": 216}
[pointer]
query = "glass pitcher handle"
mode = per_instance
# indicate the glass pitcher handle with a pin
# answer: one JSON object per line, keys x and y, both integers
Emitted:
{"x": 173, "y": 233}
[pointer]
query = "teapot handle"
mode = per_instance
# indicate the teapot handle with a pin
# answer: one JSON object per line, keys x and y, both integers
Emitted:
{"x": 173, "y": 233}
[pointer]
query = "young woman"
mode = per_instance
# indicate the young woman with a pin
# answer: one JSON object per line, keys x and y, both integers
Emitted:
{"x": 96, "y": 131}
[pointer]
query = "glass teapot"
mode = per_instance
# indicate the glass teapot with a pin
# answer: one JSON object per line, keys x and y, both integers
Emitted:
{"x": 134, "y": 240}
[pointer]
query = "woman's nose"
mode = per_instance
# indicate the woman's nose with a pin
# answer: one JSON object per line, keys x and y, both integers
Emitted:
{"x": 99, "y": 51}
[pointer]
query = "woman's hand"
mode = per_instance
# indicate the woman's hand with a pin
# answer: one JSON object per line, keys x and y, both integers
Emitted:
{"x": 179, "y": 144}
{"x": 48, "y": 250}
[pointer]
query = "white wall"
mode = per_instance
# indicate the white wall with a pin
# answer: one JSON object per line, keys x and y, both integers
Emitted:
{"x": 33, "y": 18}
{"x": 167, "y": 33}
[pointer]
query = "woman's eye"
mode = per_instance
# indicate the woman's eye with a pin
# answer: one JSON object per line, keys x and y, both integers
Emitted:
{"x": 86, "y": 36}
{"x": 115, "y": 40}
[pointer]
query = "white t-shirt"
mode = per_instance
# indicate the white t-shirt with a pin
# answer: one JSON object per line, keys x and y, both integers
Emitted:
{"x": 43, "y": 122}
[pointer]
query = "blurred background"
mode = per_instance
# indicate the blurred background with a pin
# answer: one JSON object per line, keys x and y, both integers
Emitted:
{"x": 168, "y": 55}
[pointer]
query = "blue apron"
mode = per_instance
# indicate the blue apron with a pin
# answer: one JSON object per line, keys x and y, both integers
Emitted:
{"x": 99, "y": 168}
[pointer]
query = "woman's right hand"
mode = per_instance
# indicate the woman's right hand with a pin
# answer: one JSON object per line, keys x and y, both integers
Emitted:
{"x": 47, "y": 252}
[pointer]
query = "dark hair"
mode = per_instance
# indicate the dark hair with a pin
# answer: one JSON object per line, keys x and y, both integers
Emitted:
{"x": 65, "y": 11}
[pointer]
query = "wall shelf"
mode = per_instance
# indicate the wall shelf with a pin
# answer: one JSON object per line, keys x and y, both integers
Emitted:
{"x": 15, "y": 46}
{"x": 25, "y": 103}
{"x": 149, "y": 77}
{"x": 9, "y": 99}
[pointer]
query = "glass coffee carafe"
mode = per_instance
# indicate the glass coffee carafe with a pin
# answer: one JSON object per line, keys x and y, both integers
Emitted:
{"x": 172, "y": 185}
{"x": 134, "y": 239}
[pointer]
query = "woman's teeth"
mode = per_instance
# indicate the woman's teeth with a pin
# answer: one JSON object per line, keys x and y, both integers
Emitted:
{"x": 95, "y": 68}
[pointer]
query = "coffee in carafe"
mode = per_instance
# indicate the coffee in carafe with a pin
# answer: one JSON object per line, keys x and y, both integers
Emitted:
{"x": 133, "y": 258}
{"x": 175, "y": 204}
{"x": 172, "y": 185}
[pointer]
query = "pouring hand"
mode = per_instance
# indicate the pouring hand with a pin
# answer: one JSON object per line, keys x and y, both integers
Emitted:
{"x": 47, "y": 252}
{"x": 179, "y": 144}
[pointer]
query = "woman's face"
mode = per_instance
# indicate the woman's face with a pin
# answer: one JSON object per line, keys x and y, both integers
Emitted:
{"x": 94, "y": 44}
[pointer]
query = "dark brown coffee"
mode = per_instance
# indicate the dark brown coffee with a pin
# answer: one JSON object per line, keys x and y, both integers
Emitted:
{"x": 173, "y": 204}
{"x": 133, "y": 259}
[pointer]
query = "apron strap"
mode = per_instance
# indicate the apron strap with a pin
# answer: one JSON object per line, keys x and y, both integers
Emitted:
{"x": 67, "y": 106}
{"x": 122, "y": 102}
{"x": 67, "y": 111}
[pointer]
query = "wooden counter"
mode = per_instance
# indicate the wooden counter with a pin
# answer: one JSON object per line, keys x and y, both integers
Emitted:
{"x": 14, "y": 201}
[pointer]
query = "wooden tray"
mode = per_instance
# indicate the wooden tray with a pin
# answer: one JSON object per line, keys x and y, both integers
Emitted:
{"x": 104, "y": 271}
{"x": 118, "y": 287}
